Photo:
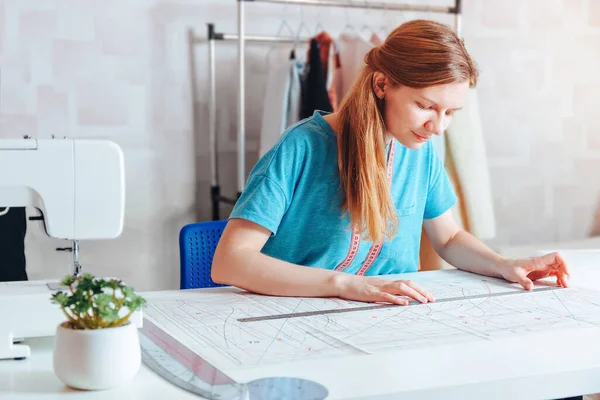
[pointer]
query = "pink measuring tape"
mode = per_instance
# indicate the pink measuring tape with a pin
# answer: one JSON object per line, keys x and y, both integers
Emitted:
{"x": 355, "y": 239}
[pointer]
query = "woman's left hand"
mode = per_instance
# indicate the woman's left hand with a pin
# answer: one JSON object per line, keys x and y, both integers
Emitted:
{"x": 526, "y": 271}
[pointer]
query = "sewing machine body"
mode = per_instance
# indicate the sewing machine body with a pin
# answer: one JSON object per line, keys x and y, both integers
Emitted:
{"x": 79, "y": 187}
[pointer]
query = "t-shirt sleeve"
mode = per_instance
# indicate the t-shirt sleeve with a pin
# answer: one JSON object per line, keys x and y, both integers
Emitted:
{"x": 440, "y": 196}
{"x": 270, "y": 186}
{"x": 263, "y": 202}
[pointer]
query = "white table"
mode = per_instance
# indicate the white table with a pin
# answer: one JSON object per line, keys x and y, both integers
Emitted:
{"x": 553, "y": 366}
{"x": 34, "y": 378}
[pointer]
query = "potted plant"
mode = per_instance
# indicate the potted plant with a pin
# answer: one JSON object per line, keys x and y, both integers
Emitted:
{"x": 97, "y": 347}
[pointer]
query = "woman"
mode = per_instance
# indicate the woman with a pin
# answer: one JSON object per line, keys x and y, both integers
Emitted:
{"x": 321, "y": 197}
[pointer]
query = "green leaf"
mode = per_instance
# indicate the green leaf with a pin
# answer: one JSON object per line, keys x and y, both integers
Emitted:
{"x": 60, "y": 298}
{"x": 86, "y": 283}
{"x": 68, "y": 281}
{"x": 104, "y": 301}
{"x": 127, "y": 291}
{"x": 99, "y": 286}
{"x": 135, "y": 303}
{"x": 109, "y": 314}
{"x": 113, "y": 284}
{"x": 81, "y": 308}
{"x": 78, "y": 296}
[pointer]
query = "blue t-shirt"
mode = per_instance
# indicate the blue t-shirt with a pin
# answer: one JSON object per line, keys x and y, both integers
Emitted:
{"x": 293, "y": 191}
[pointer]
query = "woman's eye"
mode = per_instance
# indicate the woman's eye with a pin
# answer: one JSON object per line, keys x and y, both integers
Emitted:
{"x": 449, "y": 112}
{"x": 421, "y": 105}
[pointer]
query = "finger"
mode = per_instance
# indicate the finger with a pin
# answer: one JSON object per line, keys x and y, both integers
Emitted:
{"x": 559, "y": 281}
{"x": 524, "y": 280}
{"x": 553, "y": 261}
{"x": 563, "y": 266}
{"x": 419, "y": 289}
{"x": 565, "y": 279}
{"x": 406, "y": 290}
{"x": 389, "y": 298}
{"x": 559, "y": 268}
{"x": 562, "y": 280}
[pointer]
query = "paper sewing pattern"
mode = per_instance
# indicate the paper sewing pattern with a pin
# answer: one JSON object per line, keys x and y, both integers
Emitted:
{"x": 207, "y": 321}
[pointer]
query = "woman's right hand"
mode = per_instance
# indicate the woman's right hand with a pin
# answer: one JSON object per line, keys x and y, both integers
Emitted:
{"x": 379, "y": 290}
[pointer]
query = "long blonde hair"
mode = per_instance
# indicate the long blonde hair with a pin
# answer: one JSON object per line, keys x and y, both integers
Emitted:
{"x": 417, "y": 54}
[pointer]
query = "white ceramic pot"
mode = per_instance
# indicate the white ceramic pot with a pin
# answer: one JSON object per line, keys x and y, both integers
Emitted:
{"x": 96, "y": 359}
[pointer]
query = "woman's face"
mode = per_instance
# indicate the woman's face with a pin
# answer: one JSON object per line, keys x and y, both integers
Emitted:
{"x": 413, "y": 116}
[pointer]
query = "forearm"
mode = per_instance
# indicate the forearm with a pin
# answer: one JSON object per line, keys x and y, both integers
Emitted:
{"x": 254, "y": 271}
{"x": 466, "y": 252}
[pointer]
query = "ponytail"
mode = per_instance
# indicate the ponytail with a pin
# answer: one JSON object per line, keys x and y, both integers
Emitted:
{"x": 362, "y": 162}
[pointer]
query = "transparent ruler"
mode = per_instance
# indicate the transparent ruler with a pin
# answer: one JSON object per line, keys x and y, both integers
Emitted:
{"x": 183, "y": 368}
{"x": 387, "y": 305}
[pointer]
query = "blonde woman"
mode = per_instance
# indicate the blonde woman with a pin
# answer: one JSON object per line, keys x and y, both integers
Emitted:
{"x": 341, "y": 198}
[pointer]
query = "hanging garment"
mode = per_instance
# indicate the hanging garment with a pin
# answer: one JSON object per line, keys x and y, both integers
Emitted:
{"x": 315, "y": 96}
{"x": 325, "y": 43}
{"x": 333, "y": 77}
{"x": 375, "y": 39}
{"x": 294, "y": 94}
{"x": 282, "y": 98}
{"x": 330, "y": 61}
{"x": 352, "y": 50}
{"x": 595, "y": 230}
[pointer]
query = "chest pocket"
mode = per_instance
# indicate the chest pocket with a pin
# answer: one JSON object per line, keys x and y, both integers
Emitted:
{"x": 403, "y": 244}
{"x": 406, "y": 201}
{"x": 406, "y": 210}
{"x": 405, "y": 193}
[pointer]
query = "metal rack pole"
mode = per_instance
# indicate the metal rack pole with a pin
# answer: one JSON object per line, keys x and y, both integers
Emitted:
{"x": 212, "y": 37}
{"x": 215, "y": 189}
{"x": 258, "y": 38}
{"x": 458, "y": 17}
{"x": 241, "y": 136}
{"x": 373, "y": 5}
{"x": 194, "y": 95}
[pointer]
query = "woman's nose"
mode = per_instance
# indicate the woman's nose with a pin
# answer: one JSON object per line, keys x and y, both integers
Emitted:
{"x": 434, "y": 126}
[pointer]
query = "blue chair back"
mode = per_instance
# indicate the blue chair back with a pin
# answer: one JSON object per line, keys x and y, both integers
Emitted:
{"x": 197, "y": 244}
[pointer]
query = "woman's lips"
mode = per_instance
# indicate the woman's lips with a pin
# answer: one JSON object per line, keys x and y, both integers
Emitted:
{"x": 420, "y": 138}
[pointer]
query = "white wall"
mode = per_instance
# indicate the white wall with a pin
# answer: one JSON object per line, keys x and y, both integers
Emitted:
{"x": 120, "y": 70}
{"x": 539, "y": 108}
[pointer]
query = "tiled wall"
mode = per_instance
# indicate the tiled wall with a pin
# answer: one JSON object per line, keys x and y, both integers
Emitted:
{"x": 120, "y": 70}
{"x": 538, "y": 100}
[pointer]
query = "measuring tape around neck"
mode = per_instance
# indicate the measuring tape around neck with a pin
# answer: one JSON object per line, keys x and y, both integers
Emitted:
{"x": 355, "y": 239}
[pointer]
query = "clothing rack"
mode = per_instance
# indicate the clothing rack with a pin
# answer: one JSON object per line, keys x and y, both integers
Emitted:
{"x": 241, "y": 39}
{"x": 212, "y": 37}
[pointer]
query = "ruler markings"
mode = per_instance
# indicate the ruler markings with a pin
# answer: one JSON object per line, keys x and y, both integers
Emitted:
{"x": 382, "y": 306}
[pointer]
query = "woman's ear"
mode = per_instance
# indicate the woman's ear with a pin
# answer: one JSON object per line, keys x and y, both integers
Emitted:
{"x": 379, "y": 84}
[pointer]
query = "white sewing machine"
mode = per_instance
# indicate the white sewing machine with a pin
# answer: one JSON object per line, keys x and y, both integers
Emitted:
{"x": 79, "y": 186}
